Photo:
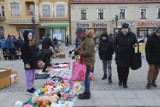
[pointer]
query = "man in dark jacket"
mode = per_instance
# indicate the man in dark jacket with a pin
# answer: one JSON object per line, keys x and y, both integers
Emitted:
{"x": 123, "y": 44}
{"x": 152, "y": 51}
{"x": 46, "y": 45}
{"x": 105, "y": 53}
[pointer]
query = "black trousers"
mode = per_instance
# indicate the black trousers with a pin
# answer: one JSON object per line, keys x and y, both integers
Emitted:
{"x": 47, "y": 63}
{"x": 123, "y": 74}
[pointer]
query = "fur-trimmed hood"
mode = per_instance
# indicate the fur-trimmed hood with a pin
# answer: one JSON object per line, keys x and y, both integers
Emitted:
{"x": 89, "y": 33}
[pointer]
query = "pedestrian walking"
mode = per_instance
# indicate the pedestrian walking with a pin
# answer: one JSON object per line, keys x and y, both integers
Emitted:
{"x": 86, "y": 49}
{"x": 105, "y": 51}
{"x": 29, "y": 56}
{"x": 152, "y": 51}
{"x": 124, "y": 48}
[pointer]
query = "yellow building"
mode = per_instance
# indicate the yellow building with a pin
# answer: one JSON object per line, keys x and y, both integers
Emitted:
{"x": 41, "y": 16}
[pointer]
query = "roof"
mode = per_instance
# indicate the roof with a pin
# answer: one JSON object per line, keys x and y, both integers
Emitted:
{"x": 113, "y": 1}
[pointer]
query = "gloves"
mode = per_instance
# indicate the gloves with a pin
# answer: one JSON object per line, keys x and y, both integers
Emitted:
{"x": 76, "y": 52}
{"x": 27, "y": 66}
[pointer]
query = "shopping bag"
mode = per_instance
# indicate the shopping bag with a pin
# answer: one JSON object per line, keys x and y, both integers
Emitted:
{"x": 78, "y": 71}
{"x": 136, "y": 61}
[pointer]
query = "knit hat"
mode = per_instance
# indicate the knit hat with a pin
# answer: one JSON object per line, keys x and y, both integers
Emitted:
{"x": 80, "y": 31}
{"x": 89, "y": 33}
{"x": 158, "y": 30}
{"x": 125, "y": 25}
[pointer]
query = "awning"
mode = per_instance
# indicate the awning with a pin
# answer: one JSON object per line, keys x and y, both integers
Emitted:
{"x": 55, "y": 25}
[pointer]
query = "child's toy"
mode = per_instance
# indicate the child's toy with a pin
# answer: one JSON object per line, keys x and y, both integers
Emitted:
{"x": 27, "y": 105}
{"x": 52, "y": 99}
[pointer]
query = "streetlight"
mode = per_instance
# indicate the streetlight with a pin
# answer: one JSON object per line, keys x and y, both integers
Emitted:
{"x": 116, "y": 19}
{"x": 33, "y": 22}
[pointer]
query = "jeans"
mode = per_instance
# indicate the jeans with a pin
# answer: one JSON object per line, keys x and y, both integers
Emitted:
{"x": 87, "y": 81}
{"x": 107, "y": 65}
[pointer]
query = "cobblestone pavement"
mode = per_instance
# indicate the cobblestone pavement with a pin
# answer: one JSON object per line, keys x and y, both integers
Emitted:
{"x": 103, "y": 93}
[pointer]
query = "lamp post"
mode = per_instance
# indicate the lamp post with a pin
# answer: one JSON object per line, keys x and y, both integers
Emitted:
{"x": 116, "y": 19}
{"x": 33, "y": 22}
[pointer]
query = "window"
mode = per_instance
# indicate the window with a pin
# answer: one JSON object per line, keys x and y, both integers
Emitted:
{"x": 159, "y": 13}
{"x": 60, "y": 11}
{"x": 143, "y": 13}
{"x": 1, "y": 32}
{"x": 1, "y": 11}
{"x": 100, "y": 14}
{"x": 46, "y": 11}
{"x": 83, "y": 15}
{"x": 31, "y": 9}
{"x": 122, "y": 14}
{"x": 15, "y": 9}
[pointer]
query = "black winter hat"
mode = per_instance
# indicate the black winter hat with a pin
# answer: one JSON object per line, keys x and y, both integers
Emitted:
{"x": 25, "y": 35}
{"x": 158, "y": 30}
{"x": 125, "y": 25}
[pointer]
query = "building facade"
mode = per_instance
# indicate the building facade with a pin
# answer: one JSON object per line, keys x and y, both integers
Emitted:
{"x": 41, "y": 16}
{"x": 108, "y": 15}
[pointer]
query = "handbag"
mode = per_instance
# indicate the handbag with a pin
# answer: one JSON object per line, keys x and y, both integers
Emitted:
{"x": 79, "y": 70}
{"x": 136, "y": 60}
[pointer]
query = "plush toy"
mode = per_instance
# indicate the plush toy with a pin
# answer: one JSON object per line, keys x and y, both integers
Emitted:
{"x": 44, "y": 103}
{"x": 50, "y": 99}
{"x": 64, "y": 96}
{"x": 27, "y": 105}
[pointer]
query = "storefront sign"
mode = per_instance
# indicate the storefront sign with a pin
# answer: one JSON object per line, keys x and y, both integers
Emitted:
{"x": 92, "y": 25}
{"x": 148, "y": 23}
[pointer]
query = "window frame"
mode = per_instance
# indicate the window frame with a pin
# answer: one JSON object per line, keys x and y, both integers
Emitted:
{"x": 62, "y": 12}
{"x": 15, "y": 12}
{"x": 83, "y": 14}
{"x": 100, "y": 13}
{"x": 158, "y": 13}
{"x": 2, "y": 11}
{"x": 141, "y": 13}
{"x": 49, "y": 8}
{"x": 121, "y": 16}
{"x": 30, "y": 10}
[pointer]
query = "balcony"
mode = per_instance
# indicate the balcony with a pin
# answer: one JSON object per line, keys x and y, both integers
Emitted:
{"x": 21, "y": 21}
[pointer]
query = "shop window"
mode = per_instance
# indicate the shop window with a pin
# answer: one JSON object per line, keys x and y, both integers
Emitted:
{"x": 1, "y": 31}
{"x": 83, "y": 14}
{"x": 100, "y": 14}
{"x": 1, "y": 11}
{"x": 60, "y": 11}
{"x": 159, "y": 13}
{"x": 122, "y": 14}
{"x": 46, "y": 11}
{"x": 143, "y": 13}
{"x": 15, "y": 9}
{"x": 30, "y": 8}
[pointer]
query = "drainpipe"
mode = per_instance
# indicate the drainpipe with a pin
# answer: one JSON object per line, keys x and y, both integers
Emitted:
{"x": 69, "y": 6}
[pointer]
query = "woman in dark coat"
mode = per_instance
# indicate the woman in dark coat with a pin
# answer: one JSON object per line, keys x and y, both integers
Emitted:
{"x": 152, "y": 51}
{"x": 123, "y": 44}
{"x": 29, "y": 56}
{"x": 105, "y": 53}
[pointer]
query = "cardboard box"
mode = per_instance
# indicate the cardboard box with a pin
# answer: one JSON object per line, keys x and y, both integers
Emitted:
{"x": 61, "y": 55}
{"x": 5, "y": 78}
{"x": 54, "y": 56}
{"x": 5, "y": 82}
{"x": 4, "y": 73}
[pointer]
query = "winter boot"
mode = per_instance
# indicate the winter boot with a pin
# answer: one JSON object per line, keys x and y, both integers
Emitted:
{"x": 84, "y": 95}
{"x": 154, "y": 84}
{"x": 110, "y": 79}
{"x": 148, "y": 86}
{"x": 120, "y": 83}
{"x": 104, "y": 77}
